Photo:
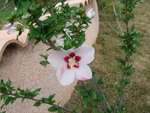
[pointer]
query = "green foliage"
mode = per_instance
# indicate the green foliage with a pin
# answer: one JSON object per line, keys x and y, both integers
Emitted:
{"x": 5, "y": 11}
{"x": 55, "y": 23}
{"x": 9, "y": 94}
{"x": 27, "y": 93}
{"x": 3, "y": 112}
{"x": 129, "y": 47}
{"x": 91, "y": 93}
{"x": 53, "y": 109}
{"x": 44, "y": 62}
{"x": 92, "y": 96}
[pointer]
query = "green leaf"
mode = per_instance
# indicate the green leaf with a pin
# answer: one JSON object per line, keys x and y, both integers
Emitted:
{"x": 93, "y": 93}
{"x": 53, "y": 109}
{"x": 79, "y": 88}
{"x": 74, "y": 109}
{"x": 8, "y": 83}
{"x": 80, "y": 11}
{"x": 9, "y": 100}
{"x": 45, "y": 100}
{"x": 100, "y": 81}
{"x": 44, "y": 56}
{"x": 122, "y": 61}
{"x": 136, "y": 35}
{"x": 58, "y": 27}
{"x": 44, "y": 63}
{"x": 4, "y": 97}
{"x": 57, "y": 48}
{"x": 137, "y": 43}
{"x": 35, "y": 32}
{"x": 85, "y": 100}
{"x": 72, "y": 28}
{"x": 127, "y": 81}
{"x": 37, "y": 104}
{"x": 51, "y": 97}
{"x": 119, "y": 90}
{"x": 36, "y": 92}
{"x": 3, "y": 112}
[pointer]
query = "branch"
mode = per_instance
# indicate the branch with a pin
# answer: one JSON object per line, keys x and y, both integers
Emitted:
{"x": 122, "y": 95}
{"x": 37, "y": 100}
{"x": 51, "y": 43}
{"x": 115, "y": 12}
{"x": 99, "y": 90}
{"x": 110, "y": 25}
{"x": 100, "y": 111}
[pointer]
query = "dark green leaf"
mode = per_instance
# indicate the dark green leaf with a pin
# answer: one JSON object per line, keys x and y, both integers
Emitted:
{"x": 37, "y": 104}
{"x": 53, "y": 109}
{"x": 44, "y": 63}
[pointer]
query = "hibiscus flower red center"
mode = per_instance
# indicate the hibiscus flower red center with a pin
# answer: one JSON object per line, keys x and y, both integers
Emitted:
{"x": 72, "y": 60}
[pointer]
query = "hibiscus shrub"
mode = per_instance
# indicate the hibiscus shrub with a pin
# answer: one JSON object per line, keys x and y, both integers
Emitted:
{"x": 62, "y": 29}
{"x": 46, "y": 21}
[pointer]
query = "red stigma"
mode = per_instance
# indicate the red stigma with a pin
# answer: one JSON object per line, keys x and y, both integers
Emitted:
{"x": 68, "y": 67}
{"x": 77, "y": 58}
{"x": 76, "y": 66}
{"x": 72, "y": 54}
{"x": 67, "y": 59}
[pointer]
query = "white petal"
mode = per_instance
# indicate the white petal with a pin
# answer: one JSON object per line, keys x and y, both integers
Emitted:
{"x": 58, "y": 5}
{"x": 90, "y": 13}
{"x": 56, "y": 59}
{"x": 67, "y": 77}
{"x": 43, "y": 10}
{"x": 87, "y": 54}
{"x": 84, "y": 73}
{"x": 60, "y": 71}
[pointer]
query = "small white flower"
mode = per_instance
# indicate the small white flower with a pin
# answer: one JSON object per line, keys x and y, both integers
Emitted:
{"x": 60, "y": 42}
{"x": 67, "y": 25}
{"x": 43, "y": 10}
{"x": 11, "y": 28}
{"x": 58, "y": 7}
{"x": 91, "y": 13}
{"x": 15, "y": 8}
{"x": 72, "y": 64}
